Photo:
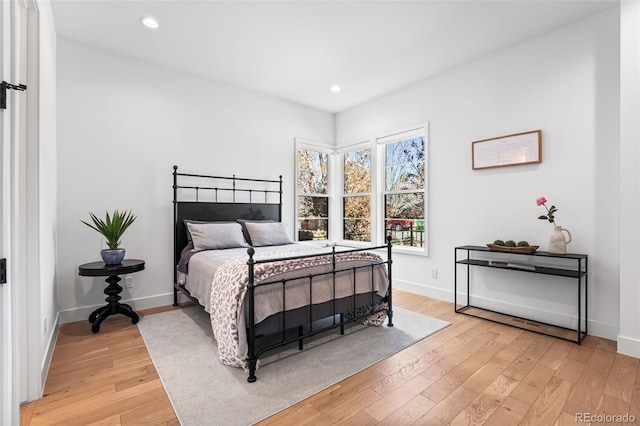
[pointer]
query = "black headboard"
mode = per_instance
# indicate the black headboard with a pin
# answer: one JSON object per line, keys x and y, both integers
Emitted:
{"x": 196, "y": 197}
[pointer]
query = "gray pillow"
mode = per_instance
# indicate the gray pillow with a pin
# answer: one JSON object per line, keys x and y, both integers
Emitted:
{"x": 216, "y": 236}
{"x": 188, "y": 221}
{"x": 268, "y": 233}
{"x": 242, "y": 222}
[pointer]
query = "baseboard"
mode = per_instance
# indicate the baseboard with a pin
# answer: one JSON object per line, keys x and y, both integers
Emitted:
{"x": 51, "y": 344}
{"x": 423, "y": 290}
{"x": 629, "y": 346}
{"x": 82, "y": 314}
{"x": 604, "y": 330}
{"x": 596, "y": 328}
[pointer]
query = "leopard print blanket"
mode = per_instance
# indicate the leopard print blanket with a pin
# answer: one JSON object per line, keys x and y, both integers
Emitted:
{"x": 230, "y": 286}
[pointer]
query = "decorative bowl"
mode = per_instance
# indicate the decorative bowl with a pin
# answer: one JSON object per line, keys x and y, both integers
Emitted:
{"x": 527, "y": 249}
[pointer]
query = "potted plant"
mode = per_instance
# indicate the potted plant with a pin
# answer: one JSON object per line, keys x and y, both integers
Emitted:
{"x": 112, "y": 229}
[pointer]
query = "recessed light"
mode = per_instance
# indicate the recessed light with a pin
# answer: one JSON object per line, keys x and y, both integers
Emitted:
{"x": 335, "y": 88}
{"x": 149, "y": 22}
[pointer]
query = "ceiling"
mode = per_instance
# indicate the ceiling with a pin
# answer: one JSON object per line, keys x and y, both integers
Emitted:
{"x": 296, "y": 50}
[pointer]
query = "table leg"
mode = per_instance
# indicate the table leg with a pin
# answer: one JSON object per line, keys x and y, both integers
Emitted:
{"x": 101, "y": 316}
{"x": 126, "y": 310}
{"x": 113, "y": 307}
{"x": 95, "y": 314}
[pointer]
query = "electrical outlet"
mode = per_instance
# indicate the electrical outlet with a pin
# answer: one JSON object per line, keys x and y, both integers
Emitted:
{"x": 128, "y": 282}
{"x": 434, "y": 273}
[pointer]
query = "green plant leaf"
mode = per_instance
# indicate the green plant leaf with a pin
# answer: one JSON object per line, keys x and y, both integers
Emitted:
{"x": 112, "y": 227}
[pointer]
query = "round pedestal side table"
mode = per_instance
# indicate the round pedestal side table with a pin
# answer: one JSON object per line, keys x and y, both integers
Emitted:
{"x": 113, "y": 290}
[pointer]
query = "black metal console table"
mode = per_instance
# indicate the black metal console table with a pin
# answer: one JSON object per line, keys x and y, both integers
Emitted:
{"x": 575, "y": 267}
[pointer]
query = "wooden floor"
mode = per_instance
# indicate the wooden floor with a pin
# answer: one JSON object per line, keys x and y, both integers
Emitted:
{"x": 472, "y": 372}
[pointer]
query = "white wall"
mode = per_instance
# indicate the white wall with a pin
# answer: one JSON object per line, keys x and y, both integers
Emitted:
{"x": 629, "y": 334}
{"x": 122, "y": 125}
{"x": 565, "y": 83}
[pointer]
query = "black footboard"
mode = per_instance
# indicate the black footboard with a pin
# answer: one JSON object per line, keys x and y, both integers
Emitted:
{"x": 357, "y": 307}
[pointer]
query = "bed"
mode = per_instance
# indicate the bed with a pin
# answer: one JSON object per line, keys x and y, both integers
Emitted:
{"x": 233, "y": 256}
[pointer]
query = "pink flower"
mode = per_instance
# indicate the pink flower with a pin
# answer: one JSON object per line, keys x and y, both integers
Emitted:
{"x": 551, "y": 211}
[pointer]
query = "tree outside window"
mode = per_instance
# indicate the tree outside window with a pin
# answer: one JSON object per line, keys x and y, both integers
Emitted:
{"x": 313, "y": 199}
{"x": 404, "y": 201}
{"x": 356, "y": 201}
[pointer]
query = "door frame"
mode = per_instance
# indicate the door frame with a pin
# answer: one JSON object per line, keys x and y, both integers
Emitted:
{"x": 9, "y": 408}
{"x": 27, "y": 211}
{"x": 21, "y": 336}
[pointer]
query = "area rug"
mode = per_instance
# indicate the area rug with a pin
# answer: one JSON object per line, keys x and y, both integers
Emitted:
{"x": 205, "y": 392}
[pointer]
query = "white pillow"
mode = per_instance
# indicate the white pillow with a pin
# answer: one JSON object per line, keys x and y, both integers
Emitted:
{"x": 215, "y": 236}
{"x": 268, "y": 233}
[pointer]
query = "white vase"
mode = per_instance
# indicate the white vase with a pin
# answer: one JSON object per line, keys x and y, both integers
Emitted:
{"x": 558, "y": 242}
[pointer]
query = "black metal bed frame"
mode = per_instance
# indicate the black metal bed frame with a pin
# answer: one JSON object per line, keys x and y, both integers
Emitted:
{"x": 225, "y": 211}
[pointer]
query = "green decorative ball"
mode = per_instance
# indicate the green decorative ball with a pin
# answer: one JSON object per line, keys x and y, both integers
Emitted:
{"x": 498, "y": 243}
{"x": 523, "y": 244}
{"x": 510, "y": 243}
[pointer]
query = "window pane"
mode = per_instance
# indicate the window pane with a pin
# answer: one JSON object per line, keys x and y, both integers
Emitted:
{"x": 357, "y": 171}
{"x": 313, "y": 218}
{"x": 357, "y": 218}
{"x": 404, "y": 164}
{"x": 404, "y": 219}
{"x": 312, "y": 170}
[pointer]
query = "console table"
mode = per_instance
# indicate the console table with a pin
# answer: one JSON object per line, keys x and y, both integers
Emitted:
{"x": 573, "y": 266}
{"x": 99, "y": 269}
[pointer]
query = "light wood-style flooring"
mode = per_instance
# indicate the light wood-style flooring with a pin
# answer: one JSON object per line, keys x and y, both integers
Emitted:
{"x": 472, "y": 372}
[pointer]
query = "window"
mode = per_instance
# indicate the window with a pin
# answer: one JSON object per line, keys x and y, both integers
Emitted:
{"x": 382, "y": 191}
{"x": 312, "y": 193}
{"x": 404, "y": 187}
{"x": 356, "y": 197}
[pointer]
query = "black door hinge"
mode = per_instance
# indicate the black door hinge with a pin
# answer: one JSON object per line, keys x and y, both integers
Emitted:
{"x": 3, "y": 271}
{"x": 3, "y": 92}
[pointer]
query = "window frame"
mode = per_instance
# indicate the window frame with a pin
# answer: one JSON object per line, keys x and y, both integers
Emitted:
{"x": 373, "y": 198}
{"x": 381, "y": 193}
{"x": 304, "y": 144}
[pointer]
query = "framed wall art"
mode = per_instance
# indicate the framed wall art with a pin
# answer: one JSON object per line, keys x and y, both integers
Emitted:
{"x": 510, "y": 150}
